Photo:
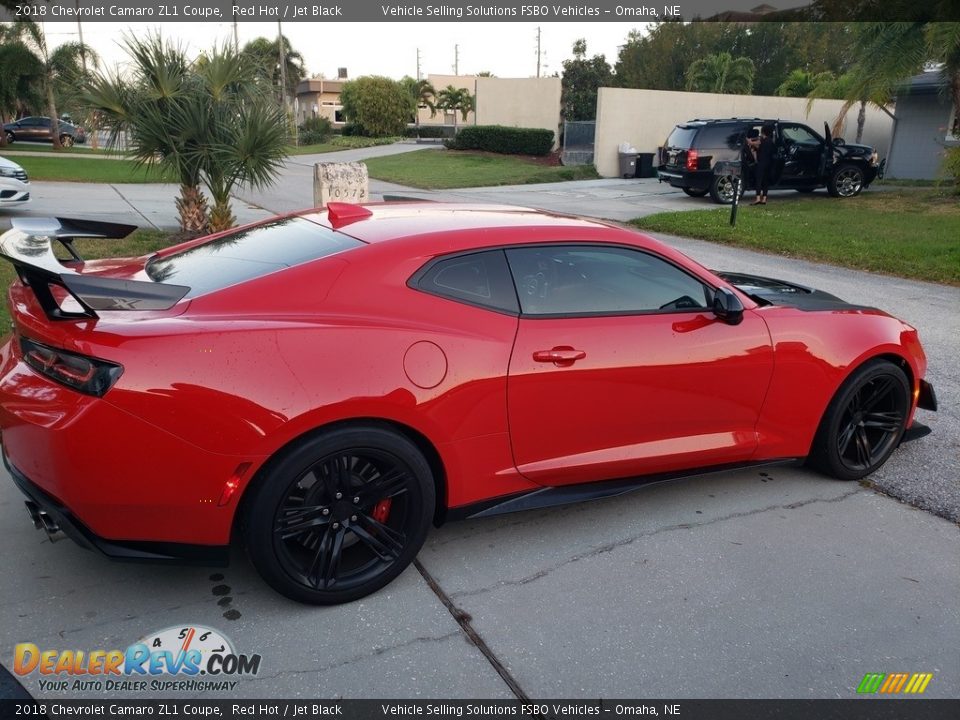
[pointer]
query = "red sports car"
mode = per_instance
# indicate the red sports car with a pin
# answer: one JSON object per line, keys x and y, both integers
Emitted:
{"x": 326, "y": 385}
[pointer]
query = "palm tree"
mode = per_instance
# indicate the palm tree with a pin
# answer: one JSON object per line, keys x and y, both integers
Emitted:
{"x": 264, "y": 55}
{"x": 721, "y": 73}
{"x": 60, "y": 68}
{"x": 20, "y": 81}
{"x": 456, "y": 99}
{"x": 424, "y": 95}
{"x": 845, "y": 88}
{"x": 208, "y": 121}
{"x": 889, "y": 53}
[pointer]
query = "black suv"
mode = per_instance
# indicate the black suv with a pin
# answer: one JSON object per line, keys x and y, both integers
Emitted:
{"x": 803, "y": 160}
{"x": 41, "y": 129}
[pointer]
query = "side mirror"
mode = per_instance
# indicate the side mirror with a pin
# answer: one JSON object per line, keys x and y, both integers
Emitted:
{"x": 839, "y": 142}
{"x": 727, "y": 306}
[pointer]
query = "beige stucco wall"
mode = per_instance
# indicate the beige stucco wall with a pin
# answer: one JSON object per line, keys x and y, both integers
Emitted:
{"x": 514, "y": 102}
{"x": 644, "y": 118}
{"x": 519, "y": 102}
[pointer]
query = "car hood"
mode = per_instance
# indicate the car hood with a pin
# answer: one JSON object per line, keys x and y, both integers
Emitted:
{"x": 855, "y": 150}
{"x": 770, "y": 291}
{"x": 9, "y": 164}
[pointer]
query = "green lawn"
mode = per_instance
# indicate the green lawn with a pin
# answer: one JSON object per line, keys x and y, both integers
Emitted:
{"x": 440, "y": 169}
{"x": 140, "y": 242}
{"x": 94, "y": 171}
{"x": 911, "y": 233}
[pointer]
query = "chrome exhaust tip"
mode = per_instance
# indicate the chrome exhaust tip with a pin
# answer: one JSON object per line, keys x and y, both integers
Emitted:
{"x": 42, "y": 521}
{"x": 34, "y": 511}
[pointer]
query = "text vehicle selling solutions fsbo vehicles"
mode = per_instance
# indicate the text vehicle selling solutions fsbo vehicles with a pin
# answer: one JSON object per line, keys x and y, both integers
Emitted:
{"x": 325, "y": 385}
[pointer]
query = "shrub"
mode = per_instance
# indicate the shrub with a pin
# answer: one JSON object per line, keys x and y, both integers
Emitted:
{"x": 951, "y": 165}
{"x": 315, "y": 130}
{"x": 379, "y": 106}
{"x": 504, "y": 140}
{"x": 430, "y": 131}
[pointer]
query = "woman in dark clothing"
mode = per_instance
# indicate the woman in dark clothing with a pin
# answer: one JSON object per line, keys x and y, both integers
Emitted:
{"x": 764, "y": 162}
{"x": 748, "y": 158}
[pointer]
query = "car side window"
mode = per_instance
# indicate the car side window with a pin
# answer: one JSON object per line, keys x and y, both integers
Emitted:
{"x": 480, "y": 278}
{"x": 799, "y": 134}
{"x": 593, "y": 280}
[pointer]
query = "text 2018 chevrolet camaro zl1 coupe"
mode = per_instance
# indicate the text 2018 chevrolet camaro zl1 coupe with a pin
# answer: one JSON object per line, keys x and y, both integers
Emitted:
{"x": 325, "y": 385}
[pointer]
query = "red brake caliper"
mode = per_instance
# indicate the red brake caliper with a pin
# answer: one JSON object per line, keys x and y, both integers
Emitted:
{"x": 382, "y": 510}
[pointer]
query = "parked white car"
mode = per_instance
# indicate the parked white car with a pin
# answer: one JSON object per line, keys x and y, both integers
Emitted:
{"x": 14, "y": 184}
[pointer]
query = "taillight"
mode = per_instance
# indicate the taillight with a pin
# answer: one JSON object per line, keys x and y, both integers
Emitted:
{"x": 692, "y": 159}
{"x": 79, "y": 372}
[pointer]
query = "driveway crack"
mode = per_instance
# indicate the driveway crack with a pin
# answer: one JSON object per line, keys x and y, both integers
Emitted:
{"x": 464, "y": 621}
{"x": 609, "y": 547}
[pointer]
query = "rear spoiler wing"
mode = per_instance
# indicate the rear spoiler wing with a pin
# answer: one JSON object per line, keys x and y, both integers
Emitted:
{"x": 29, "y": 246}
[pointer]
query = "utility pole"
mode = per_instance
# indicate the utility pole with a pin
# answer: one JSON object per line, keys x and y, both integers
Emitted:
{"x": 283, "y": 68}
{"x": 456, "y": 59}
{"x": 236, "y": 37}
{"x": 418, "y": 64}
{"x": 83, "y": 58}
{"x": 538, "y": 51}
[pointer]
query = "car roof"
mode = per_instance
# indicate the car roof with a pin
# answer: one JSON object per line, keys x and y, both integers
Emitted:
{"x": 377, "y": 222}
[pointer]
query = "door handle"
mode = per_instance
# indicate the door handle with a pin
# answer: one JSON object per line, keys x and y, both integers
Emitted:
{"x": 559, "y": 355}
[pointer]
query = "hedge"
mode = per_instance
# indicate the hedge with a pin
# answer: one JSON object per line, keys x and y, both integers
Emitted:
{"x": 429, "y": 131}
{"x": 505, "y": 140}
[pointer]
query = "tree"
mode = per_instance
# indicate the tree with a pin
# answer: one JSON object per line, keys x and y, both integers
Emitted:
{"x": 378, "y": 106}
{"x": 721, "y": 73}
{"x": 207, "y": 121}
{"x": 61, "y": 68}
{"x": 800, "y": 83}
{"x": 889, "y": 53}
{"x": 456, "y": 100}
{"x": 20, "y": 81}
{"x": 264, "y": 55}
{"x": 424, "y": 96}
{"x": 582, "y": 78}
{"x": 660, "y": 59}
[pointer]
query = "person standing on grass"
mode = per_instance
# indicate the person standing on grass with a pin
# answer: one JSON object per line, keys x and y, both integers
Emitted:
{"x": 748, "y": 159}
{"x": 764, "y": 164}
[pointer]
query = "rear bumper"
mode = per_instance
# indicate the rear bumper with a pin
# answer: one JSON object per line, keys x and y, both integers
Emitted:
{"x": 685, "y": 179}
{"x": 137, "y": 551}
{"x": 122, "y": 479}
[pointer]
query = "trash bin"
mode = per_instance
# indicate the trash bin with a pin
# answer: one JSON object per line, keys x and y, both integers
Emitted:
{"x": 628, "y": 164}
{"x": 645, "y": 167}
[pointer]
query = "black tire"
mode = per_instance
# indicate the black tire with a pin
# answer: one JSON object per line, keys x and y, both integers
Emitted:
{"x": 721, "y": 189}
{"x": 335, "y": 551}
{"x": 66, "y": 140}
{"x": 695, "y": 192}
{"x": 846, "y": 181}
{"x": 10, "y": 138}
{"x": 863, "y": 423}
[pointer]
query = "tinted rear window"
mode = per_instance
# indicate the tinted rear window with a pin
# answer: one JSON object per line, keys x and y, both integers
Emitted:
{"x": 248, "y": 254}
{"x": 682, "y": 137}
{"x": 721, "y": 136}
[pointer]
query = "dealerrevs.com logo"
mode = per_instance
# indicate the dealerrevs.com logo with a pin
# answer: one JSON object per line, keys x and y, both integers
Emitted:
{"x": 191, "y": 658}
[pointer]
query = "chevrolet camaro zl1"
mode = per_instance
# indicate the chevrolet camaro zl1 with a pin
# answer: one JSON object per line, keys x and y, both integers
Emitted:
{"x": 323, "y": 386}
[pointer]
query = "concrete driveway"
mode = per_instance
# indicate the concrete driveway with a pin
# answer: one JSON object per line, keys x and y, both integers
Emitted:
{"x": 763, "y": 583}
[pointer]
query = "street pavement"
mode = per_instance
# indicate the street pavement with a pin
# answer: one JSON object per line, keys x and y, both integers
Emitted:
{"x": 770, "y": 582}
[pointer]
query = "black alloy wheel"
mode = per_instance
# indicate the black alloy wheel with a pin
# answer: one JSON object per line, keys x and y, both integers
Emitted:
{"x": 864, "y": 423}
{"x": 341, "y": 515}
